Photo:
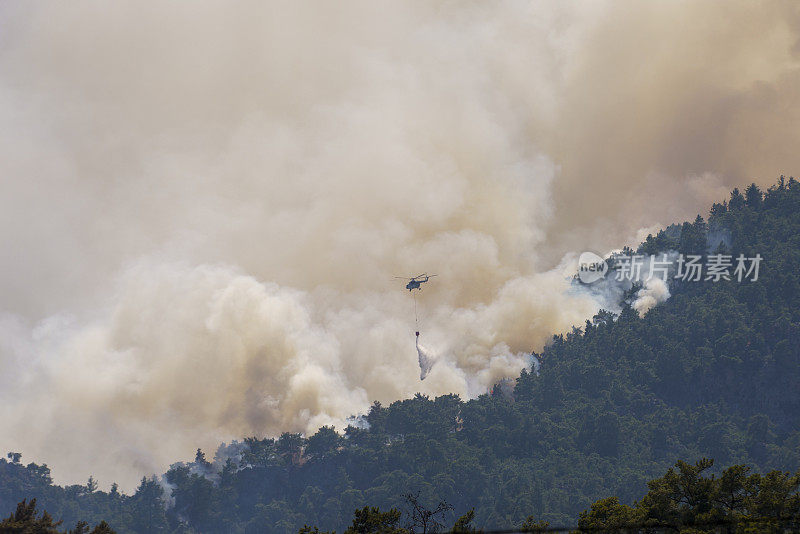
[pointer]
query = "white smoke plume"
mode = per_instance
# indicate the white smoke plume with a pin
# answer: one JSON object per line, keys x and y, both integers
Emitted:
{"x": 655, "y": 291}
{"x": 651, "y": 272}
{"x": 203, "y": 204}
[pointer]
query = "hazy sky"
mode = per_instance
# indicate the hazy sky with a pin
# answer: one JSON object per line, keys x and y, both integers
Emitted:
{"x": 203, "y": 205}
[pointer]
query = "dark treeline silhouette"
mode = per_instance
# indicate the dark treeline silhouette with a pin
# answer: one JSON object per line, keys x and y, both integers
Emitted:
{"x": 686, "y": 499}
{"x": 26, "y": 519}
{"x": 710, "y": 373}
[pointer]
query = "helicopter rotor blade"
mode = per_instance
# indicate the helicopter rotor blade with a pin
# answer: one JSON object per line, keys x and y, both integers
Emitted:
{"x": 416, "y": 278}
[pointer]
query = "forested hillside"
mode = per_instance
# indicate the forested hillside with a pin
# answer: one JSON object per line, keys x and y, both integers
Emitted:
{"x": 711, "y": 372}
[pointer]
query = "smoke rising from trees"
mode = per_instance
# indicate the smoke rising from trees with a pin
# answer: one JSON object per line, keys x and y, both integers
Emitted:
{"x": 204, "y": 205}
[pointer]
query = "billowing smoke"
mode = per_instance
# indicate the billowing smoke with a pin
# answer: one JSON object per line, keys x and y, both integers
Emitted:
{"x": 204, "y": 205}
{"x": 655, "y": 291}
{"x": 650, "y": 273}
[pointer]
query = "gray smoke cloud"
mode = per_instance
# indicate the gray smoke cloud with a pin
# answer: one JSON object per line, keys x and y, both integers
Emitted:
{"x": 204, "y": 205}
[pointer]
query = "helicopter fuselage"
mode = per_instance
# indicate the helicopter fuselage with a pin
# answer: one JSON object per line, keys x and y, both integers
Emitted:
{"x": 417, "y": 281}
{"x": 414, "y": 284}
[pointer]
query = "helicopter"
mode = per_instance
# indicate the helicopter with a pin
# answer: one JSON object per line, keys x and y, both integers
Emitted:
{"x": 416, "y": 281}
